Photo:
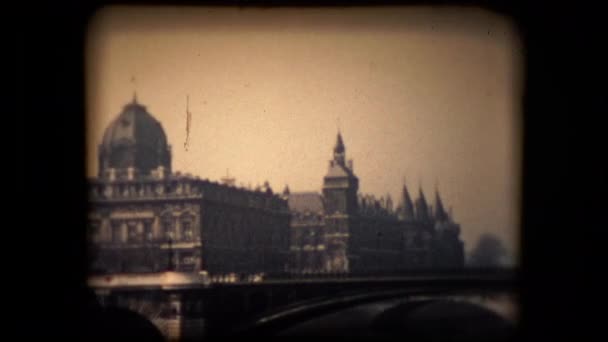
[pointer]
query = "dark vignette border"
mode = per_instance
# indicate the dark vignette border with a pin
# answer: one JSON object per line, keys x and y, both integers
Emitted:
{"x": 563, "y": 169}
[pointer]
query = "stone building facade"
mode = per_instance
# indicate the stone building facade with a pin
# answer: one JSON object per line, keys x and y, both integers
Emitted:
{"x": 341, "y": 230}
{"x": 145, "y": 218}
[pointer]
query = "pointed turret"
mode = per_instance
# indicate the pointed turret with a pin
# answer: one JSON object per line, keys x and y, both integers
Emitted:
{"x": 422, "y": 210}
{"x": 440, "y": 213}
{"x": 286, "y": 190}
{"x": 285, "y": 193}
{"x": 339, "y": 151}
{"x": 389, "y": 203}
{"x": 267, "y": 188}
{"x": 340, "y": 185}
{"x": 407, "y": 206}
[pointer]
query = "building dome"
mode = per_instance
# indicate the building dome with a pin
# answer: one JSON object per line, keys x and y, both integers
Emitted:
{"x": 133, "y": 144}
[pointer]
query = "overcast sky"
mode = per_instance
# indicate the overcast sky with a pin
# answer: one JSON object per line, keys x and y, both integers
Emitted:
{"x": 428, "y": 95}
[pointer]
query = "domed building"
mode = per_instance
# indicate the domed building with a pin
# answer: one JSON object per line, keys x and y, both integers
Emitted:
{"x": 134, "y": 145}
{"x": 143, "y": 217}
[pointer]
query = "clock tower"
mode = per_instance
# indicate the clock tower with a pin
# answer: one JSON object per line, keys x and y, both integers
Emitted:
{"x": 340, "y": 187}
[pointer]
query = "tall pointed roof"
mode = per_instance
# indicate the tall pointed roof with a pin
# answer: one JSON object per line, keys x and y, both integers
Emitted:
{"x": 337, "y": 166}
{"x": 406, "y": 196}
{"x": 440, "y": 213}
{"x": 407, "y": 204}
{"x": 421, "y": 196}
{"x": 339, "y": 148}
{"x": 422, "y": 210}
{"x": 305, "y": 202}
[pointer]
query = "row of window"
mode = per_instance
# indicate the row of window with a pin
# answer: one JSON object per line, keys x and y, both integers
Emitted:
{"x": 170, "y": 231}
{"x": 142, "y": 231}
{"x": 232, "y": 227}
{"x": 141, "y": 190}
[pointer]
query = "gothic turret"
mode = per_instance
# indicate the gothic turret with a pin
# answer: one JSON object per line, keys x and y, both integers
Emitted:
{"x": 407, "y": 206}
{"x": 340, "y": 185}
{"x": 422, "y": 210}
{"x": 389, "y": 203}
{"x": 339, "y": 151}
{"x": 440, "y": 214}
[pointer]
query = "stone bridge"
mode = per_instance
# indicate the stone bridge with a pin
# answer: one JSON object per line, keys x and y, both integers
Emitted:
{"x": 190, "y": 310}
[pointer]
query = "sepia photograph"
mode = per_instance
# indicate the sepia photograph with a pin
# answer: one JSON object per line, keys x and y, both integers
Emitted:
{"x": 265, "y": 148}
{"x": 401, "y": 170}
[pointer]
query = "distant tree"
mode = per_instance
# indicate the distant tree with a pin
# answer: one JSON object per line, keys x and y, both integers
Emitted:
{"x": 489, "y": 252}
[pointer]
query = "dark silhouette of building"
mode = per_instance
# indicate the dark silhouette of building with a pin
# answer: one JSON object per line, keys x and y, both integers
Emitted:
{"x": 145, "y": 218}
{"x": 341, "y": 230}
{"x": 154, "y": 232}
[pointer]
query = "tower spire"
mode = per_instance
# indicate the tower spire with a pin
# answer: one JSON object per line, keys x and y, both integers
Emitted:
{"x": 407, "y": 204}
{"x": 440, "y": 213}
{"x": 422, "y": 210}
{"x": 339, "y": 150}
{"x": 134, "y": 89}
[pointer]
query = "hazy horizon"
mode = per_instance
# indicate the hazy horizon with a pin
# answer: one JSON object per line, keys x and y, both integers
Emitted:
{"x": 428, "y": 95}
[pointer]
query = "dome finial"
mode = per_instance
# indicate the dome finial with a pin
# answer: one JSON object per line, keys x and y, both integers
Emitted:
{"x": 134, "y": 87}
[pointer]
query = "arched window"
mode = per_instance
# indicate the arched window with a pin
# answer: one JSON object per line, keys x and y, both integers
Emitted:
{"x": 167, "y": 227}
{"x": 94, "y": 231}
{"x": 132, "y": 232}
{"x": 116, "y": 231}
{"x": 187, "y": 220}
{"x": 148, "y": 233}
{"x": 187, "y": 230}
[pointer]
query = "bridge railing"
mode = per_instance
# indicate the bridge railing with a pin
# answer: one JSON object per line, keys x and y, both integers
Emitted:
{"x": 405, "y": 273}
